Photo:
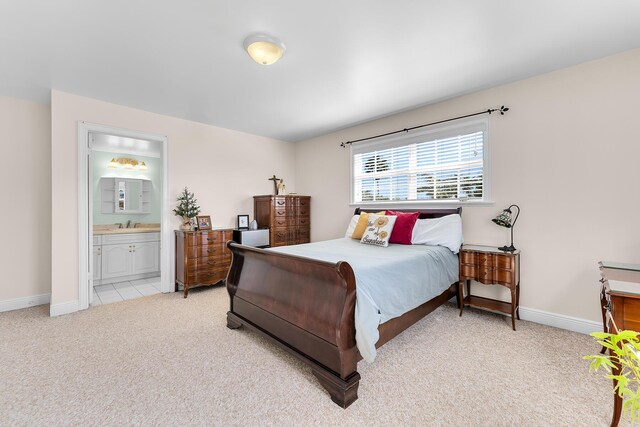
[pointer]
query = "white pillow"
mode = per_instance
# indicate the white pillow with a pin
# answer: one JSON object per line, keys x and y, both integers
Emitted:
{"x": 444, "y": 231}
{"x": 378, "y": 231}
{"x": 352, "y": 226}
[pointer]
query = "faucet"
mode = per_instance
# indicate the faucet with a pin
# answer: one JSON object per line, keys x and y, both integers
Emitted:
{"x": 128, "y": 224}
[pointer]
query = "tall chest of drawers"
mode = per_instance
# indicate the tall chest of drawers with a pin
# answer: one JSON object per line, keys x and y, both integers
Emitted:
{"x": 202, "y": 257}
{"x": 288, "y": 218}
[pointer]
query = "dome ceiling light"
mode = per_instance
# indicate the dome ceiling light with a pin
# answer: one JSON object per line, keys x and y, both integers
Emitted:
{"x": 263, "y": 49}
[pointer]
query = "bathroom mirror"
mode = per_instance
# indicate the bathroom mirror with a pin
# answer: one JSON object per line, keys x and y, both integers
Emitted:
{"x": 125, "y": 195}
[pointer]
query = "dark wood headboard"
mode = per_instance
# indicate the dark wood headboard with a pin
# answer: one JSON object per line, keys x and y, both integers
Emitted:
{"x": 424, "y": 213}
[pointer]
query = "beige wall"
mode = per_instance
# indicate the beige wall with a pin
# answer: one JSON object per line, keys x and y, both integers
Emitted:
{"x": 25, "y": 261}
{"x": 224, "y": 169}
{"x": 568, "y": 153}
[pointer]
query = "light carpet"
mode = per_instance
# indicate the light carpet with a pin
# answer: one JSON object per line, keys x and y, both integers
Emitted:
{"x": 165, "y": 360}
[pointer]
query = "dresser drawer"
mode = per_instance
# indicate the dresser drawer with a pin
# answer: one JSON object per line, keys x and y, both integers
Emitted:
{"x": 208, "y": 262}
{"x": 304, "y": 201}
{"x": 204, "y": 238}
{"x": 280, "y": 236}
{"x": 303, "y": 211}
{"x": 207, "y": 251}
{"x": 282, "y": 221}
{"x": 207, "y": 276}
{"x": 279, "y": 202}
{"x": 303, "y": 221}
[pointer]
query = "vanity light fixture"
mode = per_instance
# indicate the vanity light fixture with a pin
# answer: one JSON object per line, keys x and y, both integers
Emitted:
{"x": 264, "y": 49}
{"x": 127, "y": 164}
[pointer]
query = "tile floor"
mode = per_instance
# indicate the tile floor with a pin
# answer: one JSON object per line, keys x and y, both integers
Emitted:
{"x": 115, "y": 292}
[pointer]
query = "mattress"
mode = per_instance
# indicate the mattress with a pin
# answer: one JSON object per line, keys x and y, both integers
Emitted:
{"x": 389, "y": 281}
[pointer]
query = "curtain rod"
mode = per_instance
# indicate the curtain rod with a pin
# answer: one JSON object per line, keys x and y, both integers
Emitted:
{"x": 502, "y": 110}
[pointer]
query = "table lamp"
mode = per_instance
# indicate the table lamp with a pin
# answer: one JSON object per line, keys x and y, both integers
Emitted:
{"x": 505, "y": 219}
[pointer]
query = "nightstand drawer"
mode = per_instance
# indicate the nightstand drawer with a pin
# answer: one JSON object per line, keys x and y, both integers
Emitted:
{"x": 503, "y": 277}
{"x": 490, "y": 276}
{"x": 503, "y": 262}
{"x": 475, "y": 258}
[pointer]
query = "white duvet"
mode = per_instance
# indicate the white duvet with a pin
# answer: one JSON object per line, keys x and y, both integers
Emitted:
{"x": 389, "y": 281}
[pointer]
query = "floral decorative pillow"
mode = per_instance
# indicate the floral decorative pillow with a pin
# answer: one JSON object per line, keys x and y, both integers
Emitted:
{"x": 361, "y": 225}
{"x": 378, "y": 231}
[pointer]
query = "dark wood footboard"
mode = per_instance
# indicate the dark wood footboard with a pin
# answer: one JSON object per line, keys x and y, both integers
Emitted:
{"x": 307, "y": 307}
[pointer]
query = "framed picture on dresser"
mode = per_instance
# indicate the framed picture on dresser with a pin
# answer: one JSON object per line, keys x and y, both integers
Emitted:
{"x": 243, "y": 222}
{"x": 204, "y": 222}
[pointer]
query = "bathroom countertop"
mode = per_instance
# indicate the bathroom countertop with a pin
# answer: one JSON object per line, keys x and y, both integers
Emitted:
{"x": 152, "y": 227}
{"x": 126, "y": 230}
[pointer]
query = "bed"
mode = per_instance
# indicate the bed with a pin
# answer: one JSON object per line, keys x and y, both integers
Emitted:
{"x": 307, "y": 304}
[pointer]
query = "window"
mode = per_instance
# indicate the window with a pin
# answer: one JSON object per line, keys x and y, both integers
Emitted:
{"x": 447, "y": 163}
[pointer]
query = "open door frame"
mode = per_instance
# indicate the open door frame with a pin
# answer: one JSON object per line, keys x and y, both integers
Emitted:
{"x": 85, "y": 230}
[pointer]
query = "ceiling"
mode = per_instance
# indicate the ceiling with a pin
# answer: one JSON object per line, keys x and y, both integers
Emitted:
{"x": 346, "y": 62}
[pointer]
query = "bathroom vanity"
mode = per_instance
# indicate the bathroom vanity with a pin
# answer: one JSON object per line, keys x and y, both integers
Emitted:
{"x": 125, "y": 254}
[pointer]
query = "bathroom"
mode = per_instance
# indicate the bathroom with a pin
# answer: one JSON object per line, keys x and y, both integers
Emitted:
{"x": 126, "y": 189}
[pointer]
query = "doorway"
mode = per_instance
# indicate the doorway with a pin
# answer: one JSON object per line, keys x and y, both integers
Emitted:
{"x": 123, "y": 214}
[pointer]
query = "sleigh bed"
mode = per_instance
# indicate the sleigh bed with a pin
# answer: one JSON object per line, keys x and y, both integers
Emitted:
{"x": 307, "y": 306}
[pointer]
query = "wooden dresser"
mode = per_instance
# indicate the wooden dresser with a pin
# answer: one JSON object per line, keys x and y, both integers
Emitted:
{"x": 288, "y": 218}
{"x": 490, "y": 266}
{"x": 202, "y": 257}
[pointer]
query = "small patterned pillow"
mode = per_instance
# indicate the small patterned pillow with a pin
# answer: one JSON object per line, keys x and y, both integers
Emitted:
{"x": 378, "y": 230}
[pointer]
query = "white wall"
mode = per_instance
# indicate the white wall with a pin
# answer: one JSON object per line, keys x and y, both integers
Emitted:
{"x": 568, "y": 153}
{"x": 25, "y": 261}
{"x": 224, "y": 169}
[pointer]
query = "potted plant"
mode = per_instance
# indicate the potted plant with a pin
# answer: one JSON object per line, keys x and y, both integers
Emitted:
{"x": 186, "y": 208}
{"x": 622, "y": 365}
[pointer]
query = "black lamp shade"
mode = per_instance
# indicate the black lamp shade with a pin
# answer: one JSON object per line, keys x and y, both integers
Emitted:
{"x": 504, "y": 219}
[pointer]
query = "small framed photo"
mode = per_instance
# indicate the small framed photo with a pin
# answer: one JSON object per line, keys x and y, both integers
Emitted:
{"x": 243, "y": 222}
{"x": 204, "y": 222}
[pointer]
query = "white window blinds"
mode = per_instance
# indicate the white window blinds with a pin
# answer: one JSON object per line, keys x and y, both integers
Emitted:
{"x": 443, "y": 163}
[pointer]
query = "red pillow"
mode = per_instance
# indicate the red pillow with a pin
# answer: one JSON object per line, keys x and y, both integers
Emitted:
{"x": 403, "y": 229}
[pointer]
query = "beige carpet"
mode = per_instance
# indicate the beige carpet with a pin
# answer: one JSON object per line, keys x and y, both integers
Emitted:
{"x": 164, "y": 360}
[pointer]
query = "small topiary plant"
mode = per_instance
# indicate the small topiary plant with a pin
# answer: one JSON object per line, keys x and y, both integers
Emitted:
{"x": 187, "y": 208}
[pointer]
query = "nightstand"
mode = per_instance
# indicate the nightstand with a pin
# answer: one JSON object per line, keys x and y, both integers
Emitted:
{"x": 490, "y": 266}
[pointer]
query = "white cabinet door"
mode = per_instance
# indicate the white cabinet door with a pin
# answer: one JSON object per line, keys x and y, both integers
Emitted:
{"x": 97, "y": 263}
{"x": 146, "y": 257}
{"x": 116, "y": 260}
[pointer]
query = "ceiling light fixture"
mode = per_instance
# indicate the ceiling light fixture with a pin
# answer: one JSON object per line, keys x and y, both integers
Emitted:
{"x": 263, "y": 49}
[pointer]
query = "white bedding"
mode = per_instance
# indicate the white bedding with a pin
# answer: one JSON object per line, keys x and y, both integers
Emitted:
{"x": 389, "y": 281}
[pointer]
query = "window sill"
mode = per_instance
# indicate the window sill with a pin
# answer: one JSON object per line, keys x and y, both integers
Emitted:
{"x": 423, "y": 204}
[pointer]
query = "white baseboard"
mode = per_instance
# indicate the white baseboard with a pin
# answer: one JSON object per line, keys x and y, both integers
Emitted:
{"x": 24, "y": 302}
{"x": 64, "y": 308}
{"x": 575, "y": 324}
